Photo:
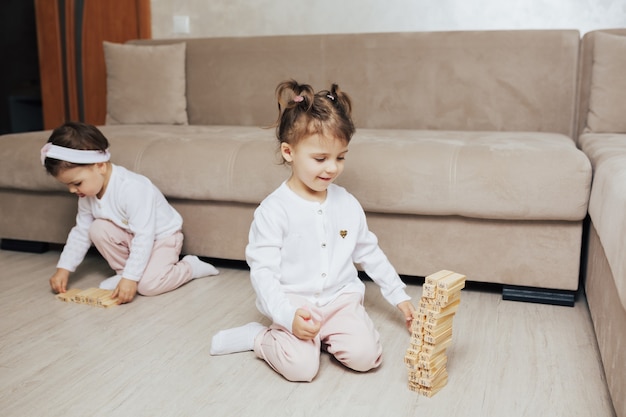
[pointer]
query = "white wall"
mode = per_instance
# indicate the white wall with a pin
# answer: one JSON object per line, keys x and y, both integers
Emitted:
{"x": 210, "y": 18}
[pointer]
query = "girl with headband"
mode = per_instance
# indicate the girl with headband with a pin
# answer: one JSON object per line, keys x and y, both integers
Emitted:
{"x": 303, "y": 244}
{"x": 122, "y": 213}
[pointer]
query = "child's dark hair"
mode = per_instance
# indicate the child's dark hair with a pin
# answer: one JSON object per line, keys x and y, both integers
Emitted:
{"x": 74, "y": 135}
{"x": 302, "y": 112}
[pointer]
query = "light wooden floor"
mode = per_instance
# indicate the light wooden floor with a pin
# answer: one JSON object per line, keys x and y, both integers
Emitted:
{"x": 151, "y": 357}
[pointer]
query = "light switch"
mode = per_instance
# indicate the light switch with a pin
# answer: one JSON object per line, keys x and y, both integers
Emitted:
{"x": 181, "y": 24}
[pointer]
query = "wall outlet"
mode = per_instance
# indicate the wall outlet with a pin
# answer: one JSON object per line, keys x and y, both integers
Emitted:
{"x": 181, "y": 24}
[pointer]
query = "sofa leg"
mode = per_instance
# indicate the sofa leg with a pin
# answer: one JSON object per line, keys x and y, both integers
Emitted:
{"x": 539, "y": 295}
{"x": 24, "y": 246}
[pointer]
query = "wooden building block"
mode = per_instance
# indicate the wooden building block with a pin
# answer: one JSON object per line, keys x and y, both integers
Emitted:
{"x": 436, "y": 338}
{"x": 434, "y": 278}
{"x": 431, "y": 374}
{"x": 429, "y": 350}
{"x": 428, "y": 353}
{"x": 444, "y": 298}
{"x": 452, "y": 291}
{"x": 416, "y": 342}
{"x": 450, "y": 281}
{"x": 96, "y": 297}
{"x": 68, "y": 296}
{"x": 438, "y": 379}
{"x": 436, "y": 324}
{"x": 99, "y": 293}
{"x": 85, "y": 296}
{"x": 414, "y": 387}
{"x": 417, "y": 326}
{"x": 92, "y": 297}
{"x": 438, "y": 362}
{"x": 439, "y": 312}
{"x": 444, "y": 325}
{"x": 417, "y": 316}
{"x": 411, "y": 361}
{"x": 430, "y": 391}
{"x": 107, "y": 301}
{"x": 429, "y": 290}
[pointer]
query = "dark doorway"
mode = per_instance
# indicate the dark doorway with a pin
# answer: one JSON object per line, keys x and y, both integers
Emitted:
{"x": 20, "y": 94}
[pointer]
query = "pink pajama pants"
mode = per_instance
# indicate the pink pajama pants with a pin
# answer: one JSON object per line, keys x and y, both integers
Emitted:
{"x": 163, "y": 273}
{"x": 347, "y": 333}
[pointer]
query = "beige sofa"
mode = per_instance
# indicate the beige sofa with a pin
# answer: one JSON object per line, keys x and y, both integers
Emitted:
{"x": 603, "y": 139}
{"x": 463, "y": 159}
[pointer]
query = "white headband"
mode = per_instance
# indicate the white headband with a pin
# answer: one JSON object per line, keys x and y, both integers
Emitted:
{"x": 76, "y": 156}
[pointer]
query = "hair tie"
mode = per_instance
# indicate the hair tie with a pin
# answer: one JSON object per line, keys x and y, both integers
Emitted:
{"x": 330, "y": 97}
{"x": 298, "y": 99}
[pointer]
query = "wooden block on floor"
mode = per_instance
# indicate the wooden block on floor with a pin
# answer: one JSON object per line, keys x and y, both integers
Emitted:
{"x": 68, "y": 296}
{"x": 107, "y": 301}
{"x": 437, "y": 380}
{"x": 83, "y": 296}
{"x": 96, "y": 297}
{"x": 430, "y": 391}
{"x": 92, "y": 298}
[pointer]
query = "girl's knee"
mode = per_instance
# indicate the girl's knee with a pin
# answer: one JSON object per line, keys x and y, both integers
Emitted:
{"x": 364, "y": 363}
{"x": 303, "y": 371}
{"x": 296, "y": 361}
{"x": 362, "y": 357}
{"x": 98, "y": 230}
{"x": 147, "y": 289}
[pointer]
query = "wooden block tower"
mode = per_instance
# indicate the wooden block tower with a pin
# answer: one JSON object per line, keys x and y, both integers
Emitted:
{"x": 431, "y": 332}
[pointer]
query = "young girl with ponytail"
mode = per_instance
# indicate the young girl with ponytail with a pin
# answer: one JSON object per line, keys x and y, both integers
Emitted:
{"x": 304, "y": 242}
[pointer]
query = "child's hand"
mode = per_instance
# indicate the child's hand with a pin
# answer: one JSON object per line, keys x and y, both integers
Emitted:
{"x": 58, "y": 281}
{"x": 303, "y": 326}
{"x": 125, "y": 291}
{"x": 407, "y": 310}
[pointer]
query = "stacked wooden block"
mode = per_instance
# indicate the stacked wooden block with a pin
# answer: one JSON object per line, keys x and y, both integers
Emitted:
{"x": 431, "y": 332}
{"x": 93, "y": 296}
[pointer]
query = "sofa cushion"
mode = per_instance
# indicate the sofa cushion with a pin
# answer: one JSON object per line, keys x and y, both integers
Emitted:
{"x": 145, "y": 84}
{"x": 607, "y": 204}
{"x": 490, "y": 175}
{"x": 510, "y": 80}
{"x": 608, "y": 85}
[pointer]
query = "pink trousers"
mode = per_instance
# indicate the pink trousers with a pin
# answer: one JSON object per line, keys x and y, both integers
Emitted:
{"x": 164, "y": 271}
{"x": 347, "y": 333}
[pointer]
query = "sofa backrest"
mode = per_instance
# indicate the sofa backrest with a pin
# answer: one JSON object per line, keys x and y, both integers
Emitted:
{"x": 476, "y": 80}
{"x": 586, "y": 72}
